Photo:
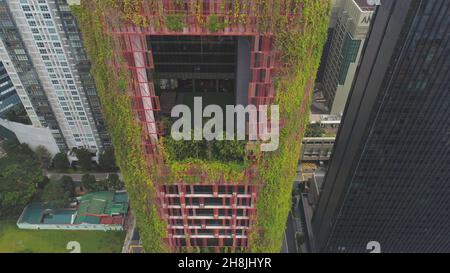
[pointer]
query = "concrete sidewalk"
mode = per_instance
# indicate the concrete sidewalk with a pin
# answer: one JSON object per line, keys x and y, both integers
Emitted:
{"x": 77, "y": 176}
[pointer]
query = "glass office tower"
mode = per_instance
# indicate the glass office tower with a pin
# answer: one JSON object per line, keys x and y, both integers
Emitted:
{"x": 389, "y": 177}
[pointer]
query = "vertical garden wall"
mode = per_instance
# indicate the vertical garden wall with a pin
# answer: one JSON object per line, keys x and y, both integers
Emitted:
{"x": 301, "y": 46}
{"x": 125, "y": 131}
{"x": 299, "y": 42}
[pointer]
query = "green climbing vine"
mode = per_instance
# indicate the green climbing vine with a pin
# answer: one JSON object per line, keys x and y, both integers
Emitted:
{"x": 123, "y": 128}
{"x": 301, "y": 47}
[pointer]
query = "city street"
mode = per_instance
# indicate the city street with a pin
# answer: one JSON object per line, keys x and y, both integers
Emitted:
{"x": 289, "y": 245}
{"x": 77, "y": 176}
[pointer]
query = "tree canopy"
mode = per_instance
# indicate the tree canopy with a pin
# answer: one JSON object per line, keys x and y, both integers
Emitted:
{"x": 91, "y": 184}
{"x": 56, "y": 194}
{"x": 84, "y": 159}
{"x": 20, "y": 175}
{"x": 114, "y": 183}
{"x": 107, "y": 161}
{"x": 60, "y": 161}
{"x": 43, "y": 156}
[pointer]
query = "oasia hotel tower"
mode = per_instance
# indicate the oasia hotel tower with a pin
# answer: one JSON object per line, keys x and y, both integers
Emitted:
{"x": 150, "y": 55}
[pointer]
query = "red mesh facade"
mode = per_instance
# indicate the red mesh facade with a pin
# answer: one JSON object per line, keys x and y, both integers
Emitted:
{"x": 217, "y": 216}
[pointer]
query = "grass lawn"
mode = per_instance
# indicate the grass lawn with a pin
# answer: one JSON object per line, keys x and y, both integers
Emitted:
{"x": 13, "y": 239}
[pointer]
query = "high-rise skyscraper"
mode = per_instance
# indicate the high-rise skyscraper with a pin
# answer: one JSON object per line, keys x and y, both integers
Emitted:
{"x": 349, "y": 25}
{"x": 44, "y": 56}
{"x": 149, "y": 56}
{"x": 388, "y": 180}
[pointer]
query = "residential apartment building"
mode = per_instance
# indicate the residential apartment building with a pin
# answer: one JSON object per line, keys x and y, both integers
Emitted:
{"x": 43, "y": 54}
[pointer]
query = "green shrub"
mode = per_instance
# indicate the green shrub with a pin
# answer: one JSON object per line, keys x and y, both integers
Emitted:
{"x": 222, "y": 151}
{"x": 175, "y": 22}
{"x": 214, "y": 23}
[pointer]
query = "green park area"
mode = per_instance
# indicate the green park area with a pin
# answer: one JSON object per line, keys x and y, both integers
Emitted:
{"x": 15, "y": 240}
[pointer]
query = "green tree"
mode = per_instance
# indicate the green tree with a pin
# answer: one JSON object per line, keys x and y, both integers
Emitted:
{"x": 10, "y": 146}
{"x": 114, "y": 183}
{"x": 19, "y": 179}
{"x": 91, "y": 184}
{"x": 41, "y": 185}
{"x": 84, "y": 158}
{"x": 13, "y": 147}
{"x": 55, "y": 194}
{"x": 43, "y": 156}
{"x": 60, "y": 162}
{"x": 25, "y": 149}
{"x": 107, "y": 161}
{"x": 68, "y": 185}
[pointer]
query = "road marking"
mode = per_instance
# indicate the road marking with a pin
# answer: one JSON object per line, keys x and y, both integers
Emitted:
{"x": 285, "y": 239}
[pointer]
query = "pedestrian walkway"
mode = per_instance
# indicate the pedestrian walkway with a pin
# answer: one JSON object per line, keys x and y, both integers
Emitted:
{"x": 78, "y": 176}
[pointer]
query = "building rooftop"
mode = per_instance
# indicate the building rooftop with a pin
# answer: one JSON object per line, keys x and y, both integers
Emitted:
{"x": 38, "y": 213}
{"x": 103, "y": 203}
{"x": 94, "y": 208}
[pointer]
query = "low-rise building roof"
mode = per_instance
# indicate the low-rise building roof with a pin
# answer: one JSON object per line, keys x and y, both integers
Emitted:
{"x": 106, "y": 208}
{"x": 38, "y": 213}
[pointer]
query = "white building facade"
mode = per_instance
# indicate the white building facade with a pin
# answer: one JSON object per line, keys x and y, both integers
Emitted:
{"x": 53, "y": 45}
